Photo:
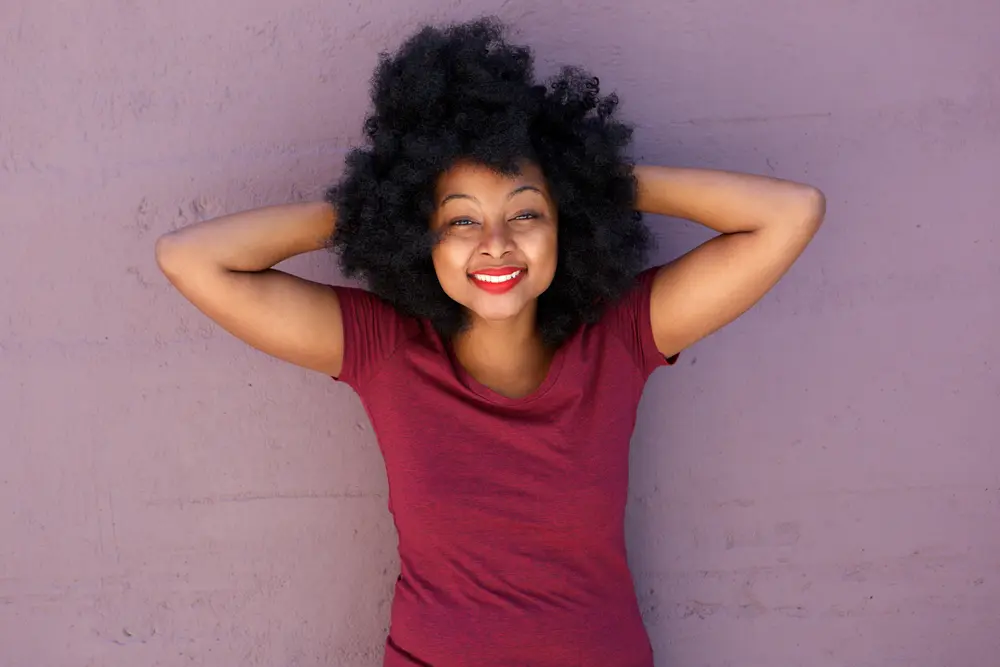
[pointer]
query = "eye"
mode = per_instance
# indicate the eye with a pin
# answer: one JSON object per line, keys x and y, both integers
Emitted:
{"x": 462, "y": 222}
{"x": 527, "y": 215}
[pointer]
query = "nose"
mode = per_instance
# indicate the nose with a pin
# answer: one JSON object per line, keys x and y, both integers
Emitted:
{"x": 496, "y": 240}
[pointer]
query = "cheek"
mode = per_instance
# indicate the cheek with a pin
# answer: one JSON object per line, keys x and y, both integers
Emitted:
{"x": 541, "y": 248}
{"x": 450, "y": 259}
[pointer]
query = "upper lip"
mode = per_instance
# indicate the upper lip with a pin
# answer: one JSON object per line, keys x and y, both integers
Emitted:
{"x": 497, "y": 270}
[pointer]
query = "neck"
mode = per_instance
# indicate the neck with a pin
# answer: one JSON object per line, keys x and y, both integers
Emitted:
{"x": 507, "y": 356}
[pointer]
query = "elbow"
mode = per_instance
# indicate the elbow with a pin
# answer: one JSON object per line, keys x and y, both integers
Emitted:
{"x": 805, "y": 210}
{"x": 795, "y": 210}
{"x": 182, "y": 261}
{"x": 163, "y": 252}
{"x": 813, "y": 208}
{"x": 170, "y": 255}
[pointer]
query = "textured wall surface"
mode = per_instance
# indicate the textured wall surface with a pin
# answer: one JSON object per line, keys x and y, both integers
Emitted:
{"x": 818, "y": 484}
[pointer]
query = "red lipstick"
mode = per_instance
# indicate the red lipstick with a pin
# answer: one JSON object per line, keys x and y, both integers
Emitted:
{"x": 497, "y": 280}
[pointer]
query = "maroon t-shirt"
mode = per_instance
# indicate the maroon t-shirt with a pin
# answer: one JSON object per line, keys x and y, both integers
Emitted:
{"x": 510, "y": 512}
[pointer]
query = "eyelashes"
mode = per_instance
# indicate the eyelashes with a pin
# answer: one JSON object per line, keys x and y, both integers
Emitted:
{"x": 466, "y": 222}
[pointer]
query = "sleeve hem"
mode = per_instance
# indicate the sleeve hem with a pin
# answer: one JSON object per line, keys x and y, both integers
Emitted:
{"x": 652, "y": 355}
{"x": 347, "y": 311}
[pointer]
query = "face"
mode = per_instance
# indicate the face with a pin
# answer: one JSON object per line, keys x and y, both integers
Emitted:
{"x": 497, "y": 249}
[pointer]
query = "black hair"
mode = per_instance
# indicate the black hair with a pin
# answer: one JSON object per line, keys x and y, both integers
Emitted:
{"x": 463, "y": 91}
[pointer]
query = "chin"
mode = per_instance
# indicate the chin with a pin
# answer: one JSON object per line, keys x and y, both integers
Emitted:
{"x": 497, "y": 312}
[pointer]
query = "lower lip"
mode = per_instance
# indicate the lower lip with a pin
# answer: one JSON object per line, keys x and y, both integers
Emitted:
{"x": 498, "y": 288}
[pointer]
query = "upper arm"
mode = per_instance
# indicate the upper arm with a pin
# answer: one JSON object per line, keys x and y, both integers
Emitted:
{"x": 719, "y": 280}
{"x": 290, "y": 318}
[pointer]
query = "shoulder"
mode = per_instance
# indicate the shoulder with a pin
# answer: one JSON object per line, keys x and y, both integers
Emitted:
{"x": 627, "y": 321}
{"x": 374, "y": 331}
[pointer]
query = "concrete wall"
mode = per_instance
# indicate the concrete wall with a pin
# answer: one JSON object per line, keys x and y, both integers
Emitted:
{"x": 817, "y": 485}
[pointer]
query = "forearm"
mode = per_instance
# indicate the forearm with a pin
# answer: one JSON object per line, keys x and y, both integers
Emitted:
{"x": 252, "y": 240}
{"x": 726, "y": 202}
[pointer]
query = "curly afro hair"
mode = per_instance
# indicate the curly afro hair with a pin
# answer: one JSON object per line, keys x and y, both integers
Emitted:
{"x": 463, "y": 92}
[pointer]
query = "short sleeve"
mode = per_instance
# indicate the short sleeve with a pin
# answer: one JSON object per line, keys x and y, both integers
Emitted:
{"x": 629, "y": 319}
{"x": 373, "y": 330}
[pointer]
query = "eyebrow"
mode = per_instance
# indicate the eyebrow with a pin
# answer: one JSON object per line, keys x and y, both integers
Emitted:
{"x": 514, "y": 193}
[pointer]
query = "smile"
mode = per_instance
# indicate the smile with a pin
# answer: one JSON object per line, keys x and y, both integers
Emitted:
{"x": 496, "y": 279}
{"x": 497, "y": 282}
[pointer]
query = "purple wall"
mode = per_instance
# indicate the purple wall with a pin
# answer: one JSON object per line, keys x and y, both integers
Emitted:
{"x": 817, "y": 485}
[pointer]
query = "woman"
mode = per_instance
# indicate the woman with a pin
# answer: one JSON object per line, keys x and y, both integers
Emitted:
{"x": 503, "y": 347}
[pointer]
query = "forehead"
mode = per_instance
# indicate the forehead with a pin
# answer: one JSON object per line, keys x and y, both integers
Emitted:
{"x": 471, "y": 177}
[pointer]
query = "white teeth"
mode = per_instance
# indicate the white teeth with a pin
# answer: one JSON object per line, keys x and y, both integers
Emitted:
{"x": 496, "y": 279}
